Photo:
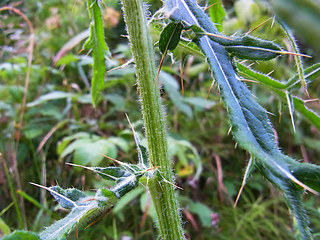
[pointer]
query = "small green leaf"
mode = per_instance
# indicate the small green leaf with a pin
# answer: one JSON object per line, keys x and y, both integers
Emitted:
{"x": 89, "y": 42}
{"x": 21, "y": 235}
{"x": 217, "y": 13}
{"x": 170, "y": 37}
{"x": 4, "y": 228}
{"x": 99, "y": 49}
{"x": 181, "y": 148}
{"x": 89, "y": 153}
{"x": 204, "y": 213}
{"x": 31, "y": 132}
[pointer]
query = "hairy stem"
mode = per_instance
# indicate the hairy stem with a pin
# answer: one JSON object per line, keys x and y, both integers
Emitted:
{"x": 162, "y": 193}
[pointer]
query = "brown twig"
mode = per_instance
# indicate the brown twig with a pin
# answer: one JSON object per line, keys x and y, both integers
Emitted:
{"x": 50, "y": 133}
{"x": 255, "y": 28}
{"x": 181, "y": 76}
{"x": 145, "y": 213}
{"x": 221, "y": 188}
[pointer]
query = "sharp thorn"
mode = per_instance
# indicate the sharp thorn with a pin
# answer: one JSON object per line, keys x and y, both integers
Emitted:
{"x": 255, "y": 28}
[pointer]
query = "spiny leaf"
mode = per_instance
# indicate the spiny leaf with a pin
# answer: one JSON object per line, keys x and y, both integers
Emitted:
{"x": 252, "y": 129}
{"x": 108, "y": 173}
{"x": 126, "y": 185}
{"x": 293, "y": 195}
{"x": 253, "y": 52}
{"x": 297, "y": 59}
{"x": 115, "y": 172}
{"x": 84, "y": 209}
{"x": 245, "y": 47}
{"x": 78, "y": 215}
{"x": 170, "y": 37}
{"x": 99, "y": 49}
{"x": 310, "y": 74}
{"x": 250, "y": 124}
{"x": 259, "y": 77}
{"x": 67, "y": 198}
{"x": 279, "y": 88}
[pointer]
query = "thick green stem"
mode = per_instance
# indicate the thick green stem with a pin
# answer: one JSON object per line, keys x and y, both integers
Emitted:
{"x": 142, "y": 49}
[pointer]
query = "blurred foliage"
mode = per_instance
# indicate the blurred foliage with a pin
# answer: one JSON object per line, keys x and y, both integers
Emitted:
{"x": 60, "y": 125}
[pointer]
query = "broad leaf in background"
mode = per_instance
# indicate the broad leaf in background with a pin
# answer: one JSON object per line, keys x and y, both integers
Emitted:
{"x": 87, "y": 149}
{"x": 185, "y": 152}
{"x": 125, "y": 200}
{"x": 217, "y": 13}
{"x": 250, "y": 124}
{"x": 171, "y": 86}
{"x": 4, "y": 228}
{"x": 303, "y": 16}
{"x": 99, "y": 49}
{"x": 22, "y": 235}
{"x": 204, "y": 212}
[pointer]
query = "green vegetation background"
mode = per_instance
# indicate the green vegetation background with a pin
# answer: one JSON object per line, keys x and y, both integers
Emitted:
{"x": 60, "y": 125}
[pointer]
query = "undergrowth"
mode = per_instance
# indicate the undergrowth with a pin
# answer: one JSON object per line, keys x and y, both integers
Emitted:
{"x": 63, "y": 130}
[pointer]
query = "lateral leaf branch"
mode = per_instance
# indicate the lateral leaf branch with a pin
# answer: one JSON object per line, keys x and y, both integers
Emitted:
{"x": 100, "y": 51}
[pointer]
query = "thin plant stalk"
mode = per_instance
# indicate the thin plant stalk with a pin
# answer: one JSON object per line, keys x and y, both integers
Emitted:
{"x": 13, "y": 192}
{"x": 162, "y": 193}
